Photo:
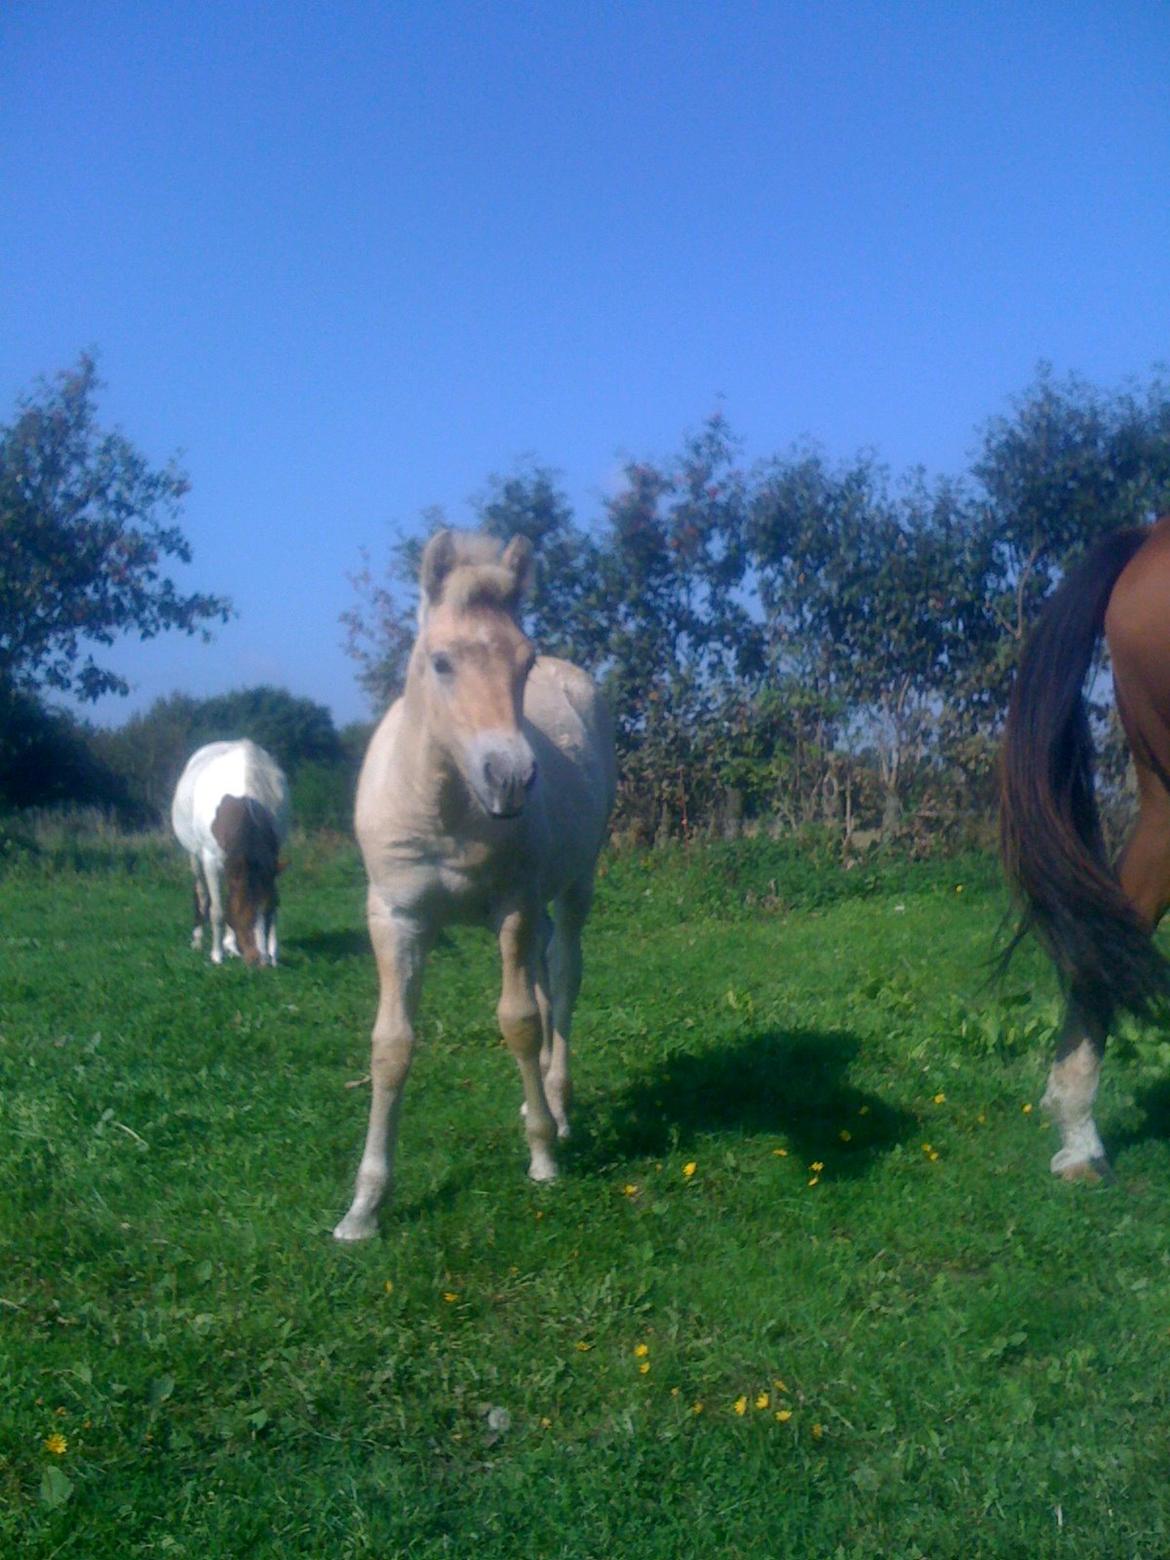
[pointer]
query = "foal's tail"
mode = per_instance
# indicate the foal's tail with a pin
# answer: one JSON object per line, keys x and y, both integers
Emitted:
{"x": 1050, "y": 831}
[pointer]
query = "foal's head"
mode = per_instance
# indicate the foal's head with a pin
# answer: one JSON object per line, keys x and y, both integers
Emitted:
{"x": 472, "y": 660}
{"x": 248, "y": 840}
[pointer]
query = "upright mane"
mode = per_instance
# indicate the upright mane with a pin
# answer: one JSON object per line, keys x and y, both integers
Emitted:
{"x": 465, "y": 569}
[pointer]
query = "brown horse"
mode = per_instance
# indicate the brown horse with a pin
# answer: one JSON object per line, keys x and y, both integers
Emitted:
{"x": 483, "y": 798}
{"x": 1096, "y": 923}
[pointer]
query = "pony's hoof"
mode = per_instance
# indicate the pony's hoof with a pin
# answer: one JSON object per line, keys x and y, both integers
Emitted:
{"x": 1096, "y": 1171}
{"x": 354, "y": 1228}
{"x": 542, "y": 1169}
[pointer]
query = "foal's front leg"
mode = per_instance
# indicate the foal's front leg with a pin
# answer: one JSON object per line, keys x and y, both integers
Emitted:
{"x": 400, "y": 950}
{"x": 520, "y": 1025}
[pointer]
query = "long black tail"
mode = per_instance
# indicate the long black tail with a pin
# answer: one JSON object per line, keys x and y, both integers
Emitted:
{"x": 1050, "y": 831}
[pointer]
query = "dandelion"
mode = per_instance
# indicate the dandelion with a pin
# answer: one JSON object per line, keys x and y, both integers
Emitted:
{"x": 696, "y": 1408}
{"x": 740, "y": 1405}
{"x": 781, "y": 1153}
{"x": 641, "y": 1350}
{"x": 629, "y": 1190}
{"x": 940, "y": 1098}
{"x": 583, "y": 1347}
{"x": 817, "y": 1165}
{"x": 815, "y": 1181}
{"x": 981, "y": 1119}
{"x": 388, "y": 1286}
{"x": 545, "y": 1422}
{"x": 1027, "y": 1109}
{"x": 783, "y": 1415}
{"x": 763, "y": 1400}
{"x": 778, "y": 1384}
{"x": 56, "y": 1443}
{"x": 845, "y": 1135}
{"x": 817, "y": 1432}
{"x": 689, "y": 1168}
{"x": 674, "y": 1392}
{"x": 644, "y": 1368}
{"x": 863, "y": 1110}
{"x": 450, "y": 1296}
{"x": 540, "y": 1213}
{"x": 933, "y": 1155}
{"x": 926, "y": 1148}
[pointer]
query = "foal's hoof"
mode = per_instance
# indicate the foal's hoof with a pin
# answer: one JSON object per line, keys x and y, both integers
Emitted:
{"x": 1096, "y": 1171}
{"x": 353, "y": 1228}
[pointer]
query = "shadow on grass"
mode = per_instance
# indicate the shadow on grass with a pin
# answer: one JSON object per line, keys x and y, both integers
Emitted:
{"x": 792, "y": 1085}
{"x": 334, "y": 947}
{"x": 1150, "y": 1121}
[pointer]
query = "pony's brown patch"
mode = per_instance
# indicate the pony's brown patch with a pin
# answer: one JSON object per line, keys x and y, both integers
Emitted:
{"x": 246, "y": 834}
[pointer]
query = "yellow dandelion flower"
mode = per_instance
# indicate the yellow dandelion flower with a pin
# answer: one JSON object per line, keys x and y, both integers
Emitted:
{"x": 583, "y": 1347}
{"x": 450, "y": 1296}
{"x": 740, "y": 1405}
{"x": 629, "y": 1190}
{"x": 783, "y": 1415}
{"x": 926, "y": 1147}
{"x": 933, "y": 1155}
{"x": 815, "y": 1181}
{"x": 1027, "y": 1110}
{"x": 781, "y": 1153}
{"x": 689, "y": 1168}
{"x": 817, "y": 1432}
{"x": 644, "y": 1368}
{"x": 981, "y": 1119}
{"x": 545, "y": 1422}
{"x": 641, "y": 1350}
{"x": 863, "y": 1110}
{"x": 763, "y": 1400}
{"x": 778, "y": 1384}
{"x": 388, "y": 1286}
{"x": 674, "y": 1391}
{"x": 540, "y": 1213}
{"x": 696, "y": 1408}
{"x": 57, "y": 1444}
{"x": 940, "y": 1098}
{"x": 845, "y": 1135}
{"x": 818, "y": 1165}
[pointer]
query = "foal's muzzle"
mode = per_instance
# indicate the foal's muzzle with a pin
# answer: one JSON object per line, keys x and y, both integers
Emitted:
{"x": 503, "y": 772}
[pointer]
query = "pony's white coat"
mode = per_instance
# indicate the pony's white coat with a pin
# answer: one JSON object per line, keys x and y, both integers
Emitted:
{"x": 219, "y": 770}
{"x": 484, "y": 797}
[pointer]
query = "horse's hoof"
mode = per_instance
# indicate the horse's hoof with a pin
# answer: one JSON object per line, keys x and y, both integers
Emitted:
{"x": 1096, "y": 1171}
{"x": 542, "y": 1170}
{"x": 353, "y": 1229}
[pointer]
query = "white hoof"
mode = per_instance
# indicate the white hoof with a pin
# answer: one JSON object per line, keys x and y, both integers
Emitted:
{"x": 542, "y": 1168}
{"x": 355, "y": 1227}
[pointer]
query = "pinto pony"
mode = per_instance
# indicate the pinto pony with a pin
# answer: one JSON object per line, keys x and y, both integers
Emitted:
{"x": 231, "y": 814}
{"x": 484, "y": 797}
{"x": 1095, "y": 923}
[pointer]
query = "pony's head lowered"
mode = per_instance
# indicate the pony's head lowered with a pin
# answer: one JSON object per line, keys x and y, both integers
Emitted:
{"x": 471, "y": 662}
{"x": 247, "y": 836}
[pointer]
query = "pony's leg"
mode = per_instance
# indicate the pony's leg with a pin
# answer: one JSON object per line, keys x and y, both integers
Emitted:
{"x": 1071, "y": 1090}
{"x": 565, "y": 979}
{"x": 214, "y": 883}
{"x": 519, "y": 1017}
{"x": 1144, "y": 872}
{"x": 400, "y": 951}
{"x": 272, "y": 944}
{"x": 202, "y": 903}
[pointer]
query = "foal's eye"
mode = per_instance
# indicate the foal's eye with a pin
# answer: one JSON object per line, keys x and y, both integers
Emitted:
{"x": 442, "y": 664}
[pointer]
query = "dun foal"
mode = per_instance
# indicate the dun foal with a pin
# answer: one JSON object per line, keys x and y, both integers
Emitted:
{"x": 231, "y": 813}
{"x": 1095, "y": 922}
{"x": 484, "y": 796}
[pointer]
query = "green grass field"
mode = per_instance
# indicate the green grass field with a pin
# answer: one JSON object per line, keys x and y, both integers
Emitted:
{"x": 805, "y": 1287}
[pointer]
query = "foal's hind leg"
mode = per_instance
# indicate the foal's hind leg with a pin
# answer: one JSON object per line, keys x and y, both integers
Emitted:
{"x": 1144, "y": 871}
{"x": 564, "y": 961}
{"x": 520, "y": 1024}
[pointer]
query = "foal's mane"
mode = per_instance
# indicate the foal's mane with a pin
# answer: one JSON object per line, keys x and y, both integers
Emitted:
{"x": 465, "y": 569}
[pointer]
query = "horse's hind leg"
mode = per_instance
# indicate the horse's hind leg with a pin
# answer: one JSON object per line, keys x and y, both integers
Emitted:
{"x": 564, "y": 961}
{"x": 1144, "y": 871}
{"x": 520, "y": 1024}
{"x": 202, "y": 903}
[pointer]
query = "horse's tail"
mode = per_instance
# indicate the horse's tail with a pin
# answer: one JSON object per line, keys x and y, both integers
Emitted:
{"x": 1050, "y": 831}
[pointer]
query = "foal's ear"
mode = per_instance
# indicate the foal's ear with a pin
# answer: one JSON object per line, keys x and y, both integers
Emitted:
{"x": 438, "y": 559}
{"x": 519, "y": 559}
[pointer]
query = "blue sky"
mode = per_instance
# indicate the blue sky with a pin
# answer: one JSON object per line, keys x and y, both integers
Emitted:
{"x": 349, "y": 259}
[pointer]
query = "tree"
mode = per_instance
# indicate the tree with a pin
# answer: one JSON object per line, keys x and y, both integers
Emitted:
{"x": 85, "y": 527}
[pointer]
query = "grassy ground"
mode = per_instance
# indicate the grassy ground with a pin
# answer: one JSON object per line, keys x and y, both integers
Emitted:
{"x": 804, "y": 1289}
